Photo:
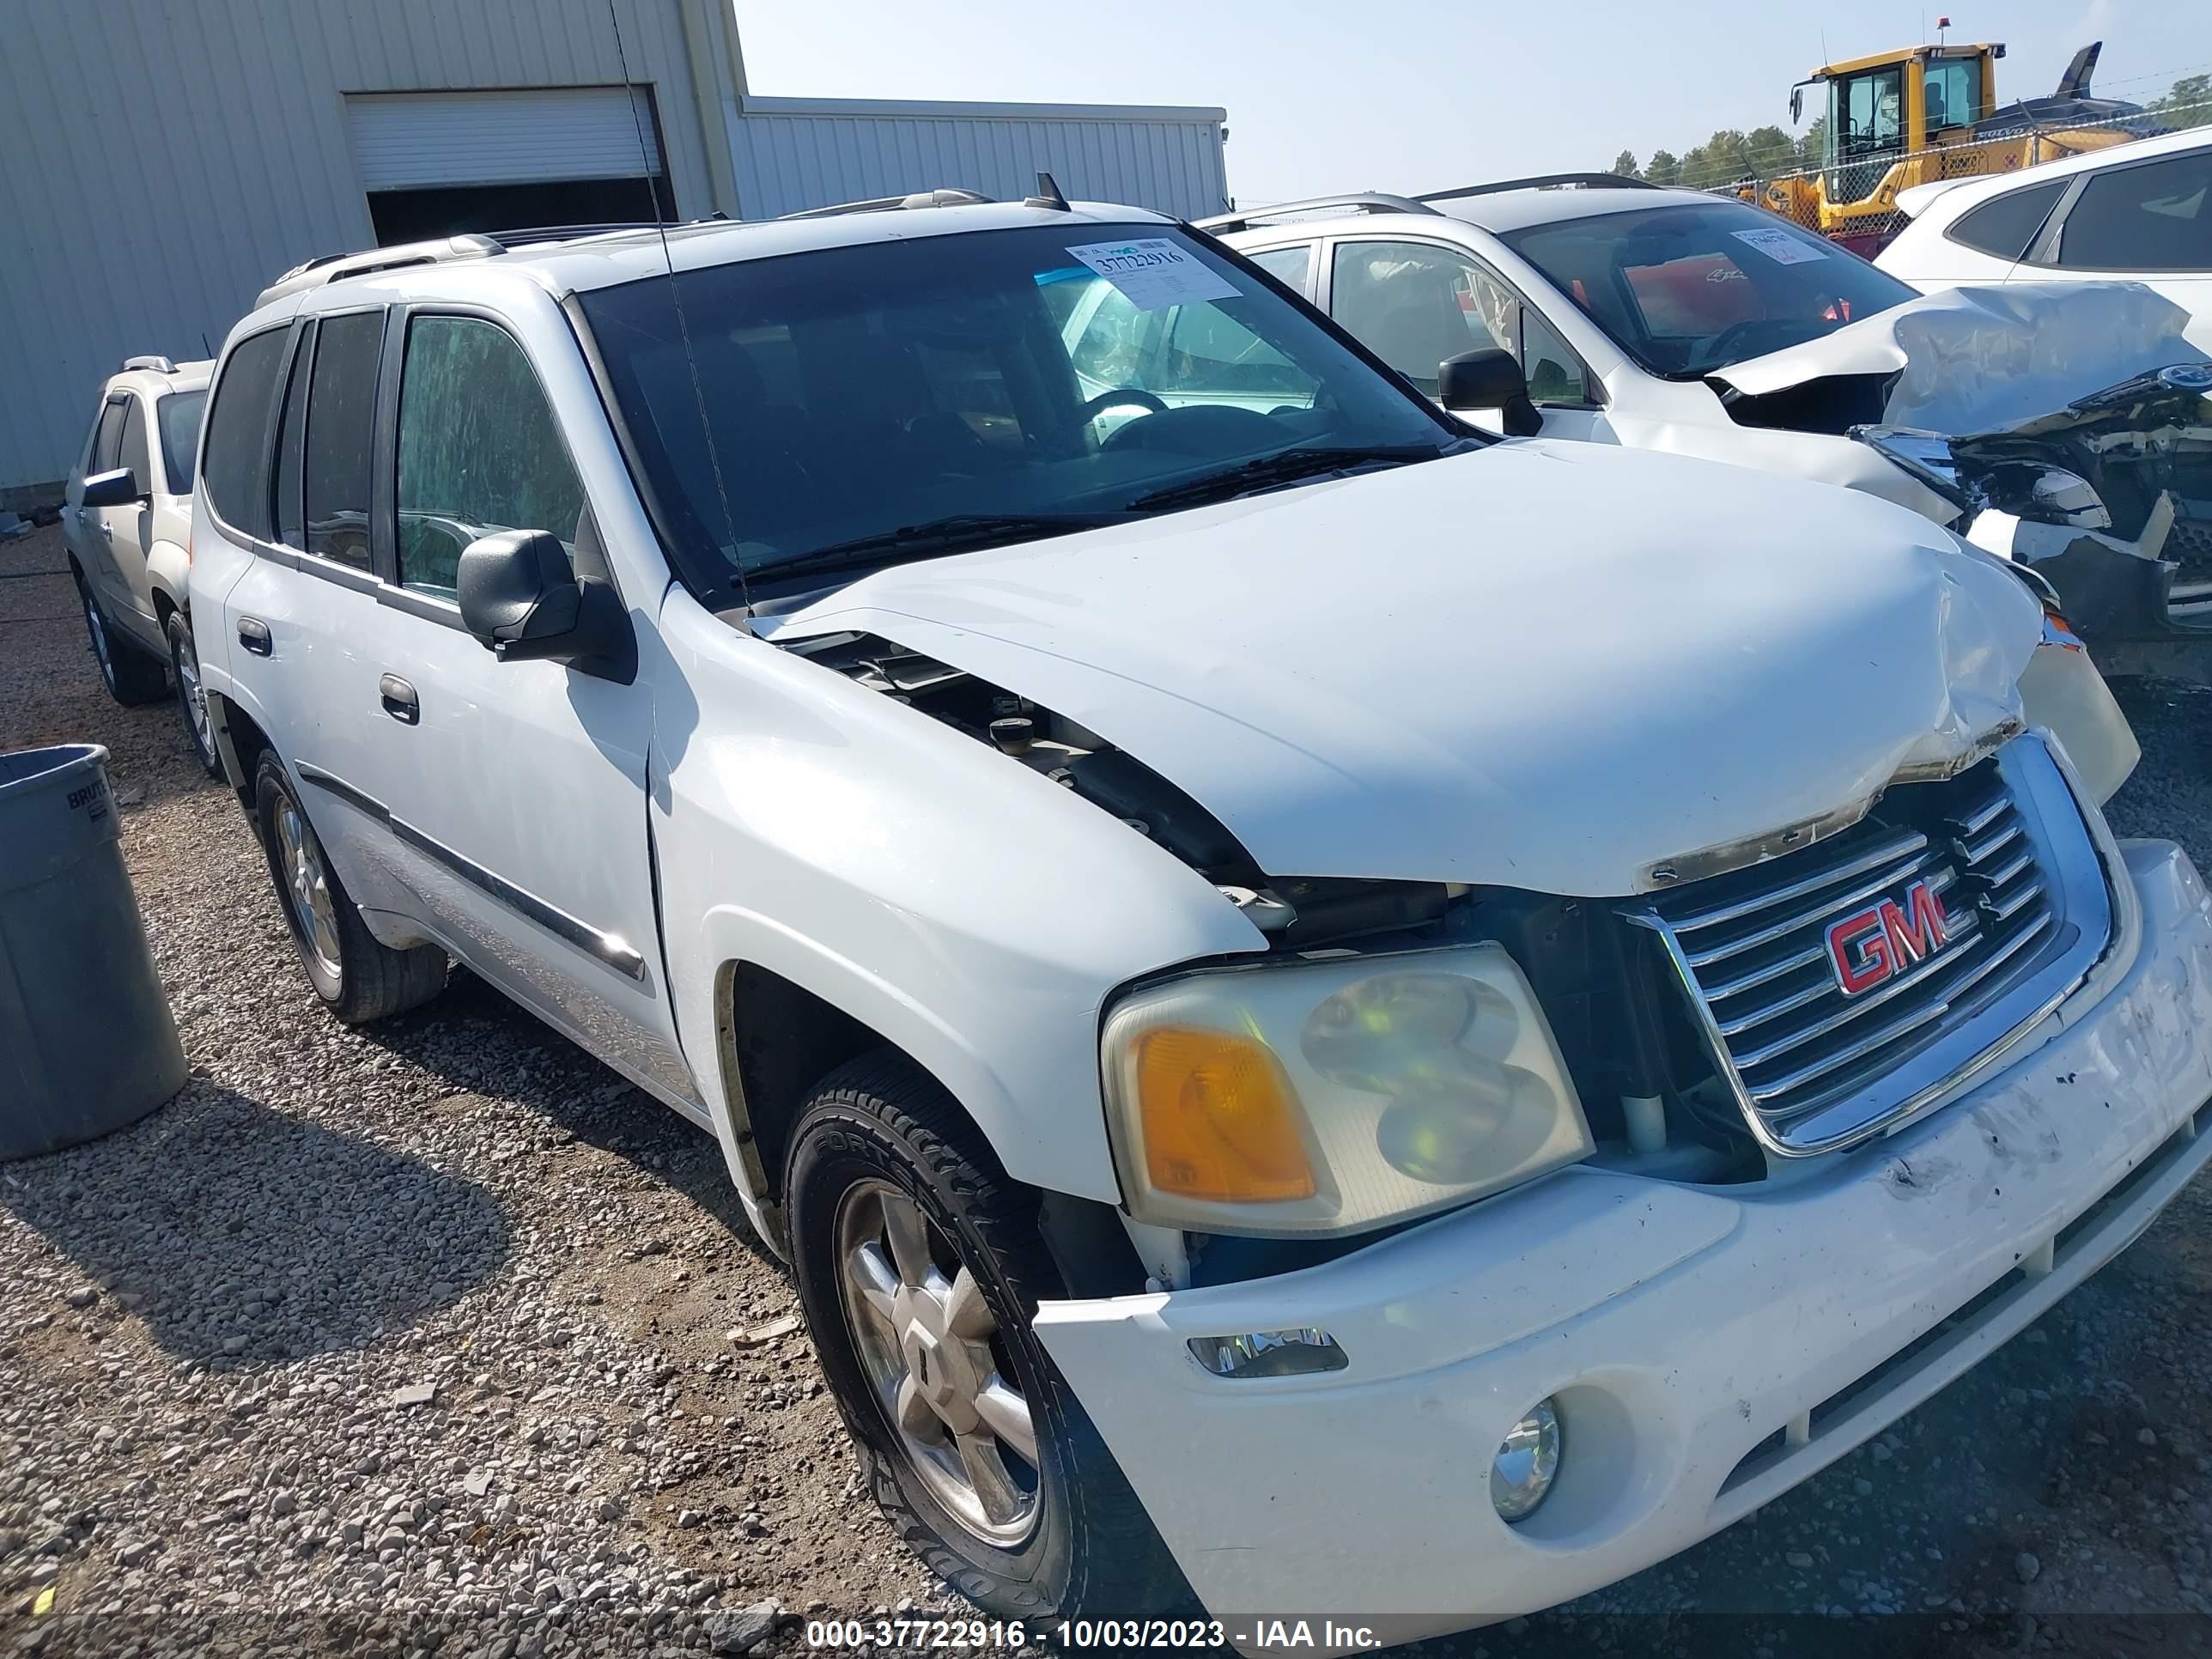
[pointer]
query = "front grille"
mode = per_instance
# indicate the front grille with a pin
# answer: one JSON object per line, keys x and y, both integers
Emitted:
{"x": 2005, "y": 851}
{"x": 2189, "y": 545}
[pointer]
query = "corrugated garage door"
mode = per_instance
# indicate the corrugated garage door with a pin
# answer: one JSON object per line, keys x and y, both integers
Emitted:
{"x": 419, "y": 140}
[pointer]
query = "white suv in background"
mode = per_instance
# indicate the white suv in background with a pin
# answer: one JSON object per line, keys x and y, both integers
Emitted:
{"x": 1330, "y": 1012}
{"x": 2138, "y": 213}
{"x": 127, "y": 516}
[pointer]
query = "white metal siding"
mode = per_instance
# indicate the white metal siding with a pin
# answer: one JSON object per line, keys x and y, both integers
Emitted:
{"x": 791, "y": 157}
{"x": 412, "y": 140}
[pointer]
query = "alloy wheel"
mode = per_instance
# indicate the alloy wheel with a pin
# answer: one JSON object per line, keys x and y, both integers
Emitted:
{"x": 308, "y": 887}
{"x": 929, "y": 1343}
{"x": 185, "y": 658}
{"x": 97, "y": 627}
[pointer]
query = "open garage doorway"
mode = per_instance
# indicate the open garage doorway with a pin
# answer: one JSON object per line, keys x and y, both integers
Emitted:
{"x": 440, "y": 163}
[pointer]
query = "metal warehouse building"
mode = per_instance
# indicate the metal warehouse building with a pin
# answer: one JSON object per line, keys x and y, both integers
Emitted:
{"x": 161, "y": 161}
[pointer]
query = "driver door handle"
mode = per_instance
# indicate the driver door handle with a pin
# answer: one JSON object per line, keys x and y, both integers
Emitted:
{"x": 399, "y": 700}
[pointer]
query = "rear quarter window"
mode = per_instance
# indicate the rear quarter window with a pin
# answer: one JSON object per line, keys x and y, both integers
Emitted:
{"x": 2005, "y": 225}
{"x": 236, "y": 464}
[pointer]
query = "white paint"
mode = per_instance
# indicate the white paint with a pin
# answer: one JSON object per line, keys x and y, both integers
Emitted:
{"x": 1677, "y": 1328}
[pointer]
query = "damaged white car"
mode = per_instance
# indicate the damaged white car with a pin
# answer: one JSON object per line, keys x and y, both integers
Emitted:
{"x": 1336, "y": 1017}
{"x": 2035, "y": 418}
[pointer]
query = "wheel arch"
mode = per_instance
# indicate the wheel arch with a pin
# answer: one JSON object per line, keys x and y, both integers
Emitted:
{"x": 775, "y": 1040}
{"x": 239, "y": 741}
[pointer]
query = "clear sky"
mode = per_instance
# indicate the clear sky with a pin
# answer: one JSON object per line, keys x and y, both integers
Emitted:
{"x": 1418, "y": 94}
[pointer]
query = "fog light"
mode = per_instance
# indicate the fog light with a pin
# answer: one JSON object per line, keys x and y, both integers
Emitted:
{"x": 1270, "y": 1353}
{"x": 1522, "y": 1471}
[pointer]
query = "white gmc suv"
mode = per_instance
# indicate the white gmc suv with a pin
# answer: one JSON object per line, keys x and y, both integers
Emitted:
{"x": 1332, "y": 1013}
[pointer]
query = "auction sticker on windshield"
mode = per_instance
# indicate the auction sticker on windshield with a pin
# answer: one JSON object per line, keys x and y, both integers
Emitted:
{"x": 1152, "y": 271}
{"x": 1780, "y": 246}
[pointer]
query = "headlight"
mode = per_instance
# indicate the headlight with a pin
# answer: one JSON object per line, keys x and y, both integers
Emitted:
{"x": 1336, "y": 1095}
{"x": 1926, "y": 455}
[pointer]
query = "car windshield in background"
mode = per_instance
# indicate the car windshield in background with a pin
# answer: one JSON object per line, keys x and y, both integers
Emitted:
{"x": 1686, "y": 289}
{"x": 897, "y": 399}
{"x": 179, "y": 415}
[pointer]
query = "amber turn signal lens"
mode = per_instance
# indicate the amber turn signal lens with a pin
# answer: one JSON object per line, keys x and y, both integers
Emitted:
{"x": 1217, "y": 1119}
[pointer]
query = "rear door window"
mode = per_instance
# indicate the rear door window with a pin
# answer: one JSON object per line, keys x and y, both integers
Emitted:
{"x": 341, "y": 424}
{"x": 237, "y": 461}
{"x": 2153, "y": 216}
{"x": 479, "y": 450}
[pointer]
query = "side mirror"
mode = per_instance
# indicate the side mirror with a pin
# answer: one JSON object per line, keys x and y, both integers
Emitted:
{"x": 119, "y": 488}
{"x": 1487, "y": 378}
{"x": 521, "y": 597}
{"x": 1796, "y": 105}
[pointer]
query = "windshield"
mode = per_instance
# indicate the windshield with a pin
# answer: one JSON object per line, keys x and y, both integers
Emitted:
{"x": 1688, "y": 289}
{"x": 179, "y": 415}
{"x": 961, "y": 389}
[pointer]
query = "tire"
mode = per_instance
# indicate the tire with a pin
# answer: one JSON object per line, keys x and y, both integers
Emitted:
{"x": 1068, "y": 1538}
{"x": 192, "y": 695}
{"x": 357, "y": 978}
{"x": 130, "y": 676}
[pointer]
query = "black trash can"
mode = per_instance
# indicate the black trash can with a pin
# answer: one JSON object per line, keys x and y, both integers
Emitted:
{"x": 87, "y": 1045}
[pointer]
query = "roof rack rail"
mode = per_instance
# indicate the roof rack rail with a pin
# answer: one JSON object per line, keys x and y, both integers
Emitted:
{"x": 525, "y": 234}
{"x": 334, "y": 267}
{"x": 1545, "y": 181}
{"x": 1364, "y": 201}
{"x": 919, "y": 198}
{"x": 160, "y": 365}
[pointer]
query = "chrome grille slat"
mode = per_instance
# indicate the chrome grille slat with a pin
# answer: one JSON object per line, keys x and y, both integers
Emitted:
{"x": 2000, "y": 802}
{"x": 1969, "y": 937}
{"x": 1773, "y": 970}
{"x": 1812, "y": 1066}
{"x": 1821, "y": 912}
{"x": 2010, "y": 908}
{"x": 1889, "y": 852}
{"x": 1976, "y": 851}
{"x": 1882, "y": 1038}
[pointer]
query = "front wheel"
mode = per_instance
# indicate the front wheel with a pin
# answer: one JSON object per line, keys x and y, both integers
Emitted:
{"x": 192, "y": 695}
{"x": 130, "y": 676}
{"x": 357, "y": 977}
{"x": 920, "y": 1264}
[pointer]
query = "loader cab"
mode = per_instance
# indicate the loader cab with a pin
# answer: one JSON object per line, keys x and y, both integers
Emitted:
{"x": 1882, "y": 109}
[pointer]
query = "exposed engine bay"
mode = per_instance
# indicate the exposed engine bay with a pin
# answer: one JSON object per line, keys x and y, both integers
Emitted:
{"x": 1295, "y": 914}
{"x": 1599, "y": 979}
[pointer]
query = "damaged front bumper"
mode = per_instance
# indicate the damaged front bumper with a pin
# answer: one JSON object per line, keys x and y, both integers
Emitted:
{"x": 1706, "y": 1347}
{"x": 2110, "y": 499}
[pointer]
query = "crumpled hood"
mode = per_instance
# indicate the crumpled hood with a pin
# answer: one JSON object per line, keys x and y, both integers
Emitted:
{"x": 1548, "y": 665}
{"x": 1976, "y": 359}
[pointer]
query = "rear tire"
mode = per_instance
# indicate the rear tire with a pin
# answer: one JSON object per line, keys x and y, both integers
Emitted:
{"x": 357, "y": 978}
{"x": 192, "y": 694}
{"x": 130, "y": 676}
{"x": 901, "y": 1222}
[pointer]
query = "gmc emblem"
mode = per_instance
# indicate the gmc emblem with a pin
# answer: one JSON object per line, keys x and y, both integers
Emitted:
{"x": 1881, "y": 941}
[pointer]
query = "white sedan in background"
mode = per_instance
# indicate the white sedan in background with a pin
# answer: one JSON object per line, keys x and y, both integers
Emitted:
{"x": 2142, "y": 213}
{"x": 2065, "y": 425}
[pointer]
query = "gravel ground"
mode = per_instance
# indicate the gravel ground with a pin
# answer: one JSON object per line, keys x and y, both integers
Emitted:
{"x": 437, "y": 1337}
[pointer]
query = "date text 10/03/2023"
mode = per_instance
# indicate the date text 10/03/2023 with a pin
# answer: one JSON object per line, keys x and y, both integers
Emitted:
{"x": 1258, "y": 1635}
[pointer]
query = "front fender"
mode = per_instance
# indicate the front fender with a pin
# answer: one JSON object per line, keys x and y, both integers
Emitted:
{"x": 955, "y": 901}
{"x": 168, "y": 572}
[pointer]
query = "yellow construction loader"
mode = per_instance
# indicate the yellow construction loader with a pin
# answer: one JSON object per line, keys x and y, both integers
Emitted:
{"x": 1926, "y": 113}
